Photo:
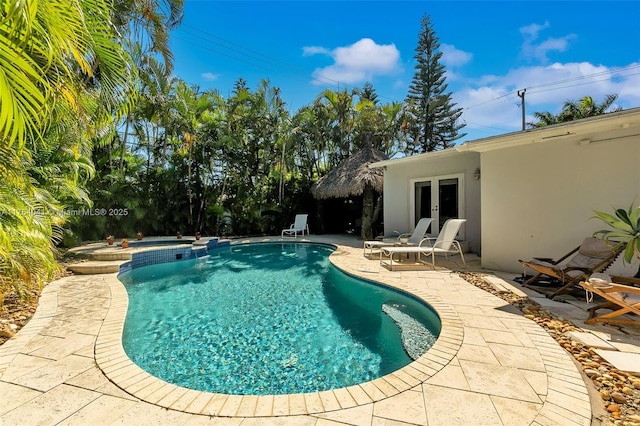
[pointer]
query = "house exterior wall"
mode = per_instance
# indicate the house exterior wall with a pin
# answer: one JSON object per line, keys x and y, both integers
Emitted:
{"x": 538, "y": 198}
{"x": 398, "y": 190}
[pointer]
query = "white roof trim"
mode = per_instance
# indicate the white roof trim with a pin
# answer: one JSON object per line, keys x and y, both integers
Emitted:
{"x": 578, "y": 130}
{"x": 397, "y": 161}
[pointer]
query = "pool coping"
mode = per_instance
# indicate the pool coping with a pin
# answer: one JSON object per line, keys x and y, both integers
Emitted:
{"x": 564, "y": 401}
{"x": 124, "y": 373}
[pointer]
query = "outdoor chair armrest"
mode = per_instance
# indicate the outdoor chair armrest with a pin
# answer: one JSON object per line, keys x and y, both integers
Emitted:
{"x": 577, "y": 268}
{"x": 618, "y": 279}
{"x": 547, "y": 260}
{"x": 552, "y": 261}
{"x": 620, "y": 288}
{"x": 566, "y": 256}
{"x": 406, "y": 234}
{"x": 428, "y": 240}
{"x": 437, "y": 243}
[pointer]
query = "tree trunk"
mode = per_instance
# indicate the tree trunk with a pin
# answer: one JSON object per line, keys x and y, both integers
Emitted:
{"x": 319, "y": 218}
{"x": 367, "y": 213}
{"x": 123, "y": 147}
{"x": 376, "y": 215}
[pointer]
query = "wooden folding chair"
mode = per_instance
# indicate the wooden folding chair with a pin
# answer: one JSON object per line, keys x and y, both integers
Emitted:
{"x": 621, "y": 299}
{"x": 593, "y": 255}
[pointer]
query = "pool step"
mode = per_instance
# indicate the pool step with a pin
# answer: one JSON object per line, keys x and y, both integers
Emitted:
{"x": 109, "y": 259}
{"x": 96, "y": 267}
{"x": 119, "y": 254}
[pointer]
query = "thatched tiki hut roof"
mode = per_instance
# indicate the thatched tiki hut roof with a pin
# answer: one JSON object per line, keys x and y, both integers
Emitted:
{"x": 353, "y": 177}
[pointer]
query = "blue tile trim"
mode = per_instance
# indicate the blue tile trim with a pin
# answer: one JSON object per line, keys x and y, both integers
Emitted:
{"x": 171, "y": 254}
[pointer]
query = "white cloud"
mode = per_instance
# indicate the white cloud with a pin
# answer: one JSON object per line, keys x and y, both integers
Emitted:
{"x": 210, "y": 76}
{"x": 453, "y": 57}
{"x": 356, "y": 63}
{"x": 532, "y": 49}
{"x": 313, "y": 50}
{"x": 540, "y": 51}
{"x": 531, "y": 31}
{"x": 492, "y": 106}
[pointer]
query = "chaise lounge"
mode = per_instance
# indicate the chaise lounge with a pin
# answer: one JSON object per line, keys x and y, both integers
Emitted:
{"x": 593, "y": 255}
{"x": 621, "y": 299}
{"x": 445, "y": 244}
{"x": 411, "y": 239}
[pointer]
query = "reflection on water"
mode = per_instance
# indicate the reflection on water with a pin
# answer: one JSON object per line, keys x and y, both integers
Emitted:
{"x": 263, "y": 319}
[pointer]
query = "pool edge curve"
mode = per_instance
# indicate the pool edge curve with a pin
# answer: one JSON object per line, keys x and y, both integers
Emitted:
{"x": 114, "y": 363}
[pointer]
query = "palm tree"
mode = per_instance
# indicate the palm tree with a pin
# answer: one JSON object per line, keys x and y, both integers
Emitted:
{"x": 46, "y": 45}
{"x": 52, "y": 105}
{"x": 149, "y": 22}
{"x": 575, "y": 110}
{"x": 587, "y": 107}
{"x": 340, "y": 109}
{"x": 543, "y": 119}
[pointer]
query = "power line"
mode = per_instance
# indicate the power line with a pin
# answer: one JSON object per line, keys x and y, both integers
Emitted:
{"x": 581, "y": 77}
{"x": 241, "y": 60}
{"x": 256, "y": 61}
{"x": 268, "y": 61}
{"x": 249, "y": 56}
{"x": 580, "y": 84}
{"x": 490, "y": 100}
{"x": 555, "y": 83}
{"x": 485, "y": 126}
{"x": 238, "y": 48}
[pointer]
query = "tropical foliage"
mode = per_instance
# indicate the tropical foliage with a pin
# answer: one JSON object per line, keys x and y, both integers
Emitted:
{"x": 576, "y": 110}
{"x": 65, "y": 78}
{"x": 434, "y": 124}
{"x": 624, "y": 230}
{"x": 194, "y": 161}
{"x": 98, "y": 137}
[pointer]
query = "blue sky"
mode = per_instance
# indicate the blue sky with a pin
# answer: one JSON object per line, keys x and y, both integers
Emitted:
{"x": 558, "y": 51}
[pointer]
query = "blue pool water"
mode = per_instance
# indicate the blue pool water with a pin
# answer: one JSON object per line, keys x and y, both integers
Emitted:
{"x": 261, "y": 319}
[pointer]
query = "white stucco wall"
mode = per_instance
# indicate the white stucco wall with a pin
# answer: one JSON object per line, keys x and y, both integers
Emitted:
{"x": 538, "y": 198}
{"x": 397, "y": 190}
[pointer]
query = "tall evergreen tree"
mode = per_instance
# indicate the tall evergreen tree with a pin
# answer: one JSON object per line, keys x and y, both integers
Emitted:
{"x": 435, "y": 119}
{"x": 368, "y": 92}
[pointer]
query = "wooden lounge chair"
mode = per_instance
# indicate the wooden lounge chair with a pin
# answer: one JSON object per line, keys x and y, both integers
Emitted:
{"x": 444, "y": 244}
{"x": 413, "y": 239}
{"x": 621, "y": 299}
{"x": 593, "y": 255}
{"x": 299, "y": 226}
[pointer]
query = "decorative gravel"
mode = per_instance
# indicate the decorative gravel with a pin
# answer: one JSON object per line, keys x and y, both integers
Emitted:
{"x": 619, "y": 390}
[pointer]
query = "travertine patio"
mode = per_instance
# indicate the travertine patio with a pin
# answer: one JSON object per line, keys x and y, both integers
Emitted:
{"x": 490, "y": 366}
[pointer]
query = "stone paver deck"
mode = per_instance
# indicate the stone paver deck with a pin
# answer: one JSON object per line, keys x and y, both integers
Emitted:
{"x": 490, "y": 366}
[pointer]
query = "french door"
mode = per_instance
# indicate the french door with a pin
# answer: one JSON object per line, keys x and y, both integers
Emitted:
{"x": 438, "y": 197}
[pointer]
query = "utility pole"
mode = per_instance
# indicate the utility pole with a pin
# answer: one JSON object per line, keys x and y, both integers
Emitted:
{"x": 521, "y": 95}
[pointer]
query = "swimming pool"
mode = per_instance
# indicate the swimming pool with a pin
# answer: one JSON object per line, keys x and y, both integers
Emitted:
{"x": 262, "y": 319}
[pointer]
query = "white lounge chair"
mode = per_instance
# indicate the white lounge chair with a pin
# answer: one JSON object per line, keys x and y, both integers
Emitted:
{"x": 300, "y": 225}
{"x": 411, "y": 239}
{"x": 444, "y": 244}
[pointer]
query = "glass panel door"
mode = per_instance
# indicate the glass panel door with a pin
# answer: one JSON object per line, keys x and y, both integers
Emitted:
{"x": 447, "y": 200}
{"x": 422, "y": 201}
{"x": 439, "y": 198}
